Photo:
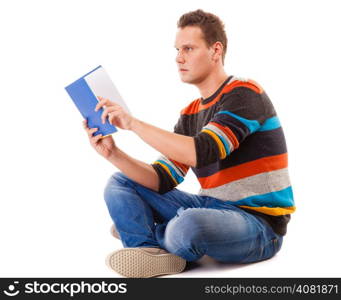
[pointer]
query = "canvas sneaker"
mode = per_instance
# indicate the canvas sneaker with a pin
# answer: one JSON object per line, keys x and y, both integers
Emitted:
{"x": 145, "y": 262}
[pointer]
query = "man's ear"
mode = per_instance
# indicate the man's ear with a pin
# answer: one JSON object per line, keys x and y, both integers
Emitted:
{"x": 217, "y": 51}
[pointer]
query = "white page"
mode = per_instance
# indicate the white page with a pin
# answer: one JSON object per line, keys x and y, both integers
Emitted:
{"x": 101, "y": 85}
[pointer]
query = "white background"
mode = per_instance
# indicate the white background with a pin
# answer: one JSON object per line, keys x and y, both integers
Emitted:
{"x": 53, "y": 218}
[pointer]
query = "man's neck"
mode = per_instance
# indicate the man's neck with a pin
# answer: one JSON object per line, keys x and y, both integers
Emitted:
{"x": 211, "y": 83}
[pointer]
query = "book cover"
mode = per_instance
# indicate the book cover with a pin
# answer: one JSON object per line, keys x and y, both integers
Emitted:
{"x": 84, "y": 92}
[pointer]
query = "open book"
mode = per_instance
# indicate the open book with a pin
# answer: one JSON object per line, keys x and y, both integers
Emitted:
{"x": 84, "y": 92}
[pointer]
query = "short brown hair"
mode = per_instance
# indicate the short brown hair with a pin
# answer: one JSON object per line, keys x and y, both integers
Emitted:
{"x": 211, "y": 26}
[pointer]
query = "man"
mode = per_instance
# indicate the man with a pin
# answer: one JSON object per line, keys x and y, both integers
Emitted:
{"x": 232, "y": 140}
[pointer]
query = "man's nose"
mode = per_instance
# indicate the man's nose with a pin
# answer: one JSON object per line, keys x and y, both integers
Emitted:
{"x": 179, "y": 58}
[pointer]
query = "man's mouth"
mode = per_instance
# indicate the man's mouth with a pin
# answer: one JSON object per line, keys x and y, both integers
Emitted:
{"x": 183, "y": 70}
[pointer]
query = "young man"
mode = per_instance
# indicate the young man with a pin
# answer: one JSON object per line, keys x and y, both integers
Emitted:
{"x": 232, "y": 140}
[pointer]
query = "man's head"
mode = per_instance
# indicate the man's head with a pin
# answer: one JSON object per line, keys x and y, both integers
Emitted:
{"x": 201, "y": 43}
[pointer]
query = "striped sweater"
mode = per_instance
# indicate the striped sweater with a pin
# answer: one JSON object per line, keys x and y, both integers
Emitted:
{"x": 240, "y": 149}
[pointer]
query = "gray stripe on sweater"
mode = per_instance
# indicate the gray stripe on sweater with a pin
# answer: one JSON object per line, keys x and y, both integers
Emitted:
{"x": 250, "y": 186}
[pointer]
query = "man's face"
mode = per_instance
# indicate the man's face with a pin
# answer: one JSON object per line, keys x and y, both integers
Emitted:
{"x": 194, "y": 59}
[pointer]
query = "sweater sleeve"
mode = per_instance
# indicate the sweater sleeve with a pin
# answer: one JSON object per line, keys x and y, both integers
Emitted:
{"x": 239, "y": 114}
{"x": 170, "y": 172}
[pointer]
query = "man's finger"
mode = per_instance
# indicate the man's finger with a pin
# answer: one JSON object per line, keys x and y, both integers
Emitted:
{"x": 101, "y": 103}
{"x": 96, "y": 138}
{"x": 91, "y": 131}
{"x": 106, "y": 112}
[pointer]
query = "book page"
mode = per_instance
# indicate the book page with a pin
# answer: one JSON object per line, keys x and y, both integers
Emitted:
{"x": 101, "y": 85}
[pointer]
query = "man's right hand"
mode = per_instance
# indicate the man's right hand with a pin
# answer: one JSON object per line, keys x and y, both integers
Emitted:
{"x": 104, "y": 146}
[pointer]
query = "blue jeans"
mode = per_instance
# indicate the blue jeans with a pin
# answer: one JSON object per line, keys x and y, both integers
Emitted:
{"x": 187, "y": 225}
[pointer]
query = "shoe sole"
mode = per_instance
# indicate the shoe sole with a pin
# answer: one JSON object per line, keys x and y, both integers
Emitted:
{"x": 136, "y": 263}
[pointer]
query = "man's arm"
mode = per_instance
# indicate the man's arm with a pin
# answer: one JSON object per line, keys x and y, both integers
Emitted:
{"x": 136, "y": 170}
{"x": 175, "y": 146}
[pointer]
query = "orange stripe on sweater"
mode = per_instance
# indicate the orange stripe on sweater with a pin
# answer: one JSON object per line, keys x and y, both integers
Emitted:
{"x": 265, "y": 164}
{"x": 273, "y": 211}
{"x": 192, "y": 108}
{"x": 196, "y": 106}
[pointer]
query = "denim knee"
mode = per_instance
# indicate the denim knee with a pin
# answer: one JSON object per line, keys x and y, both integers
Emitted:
{"x": 117, "y": 180}
{"x": 183, "y": 236}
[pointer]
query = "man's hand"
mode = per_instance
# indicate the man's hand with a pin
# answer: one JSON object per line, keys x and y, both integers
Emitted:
{"x": 104, "y": 146}
{"x": 117, "y": 116}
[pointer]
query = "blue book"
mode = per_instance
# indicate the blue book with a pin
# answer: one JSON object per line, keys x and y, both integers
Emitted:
{"x": 84, "y": 92}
